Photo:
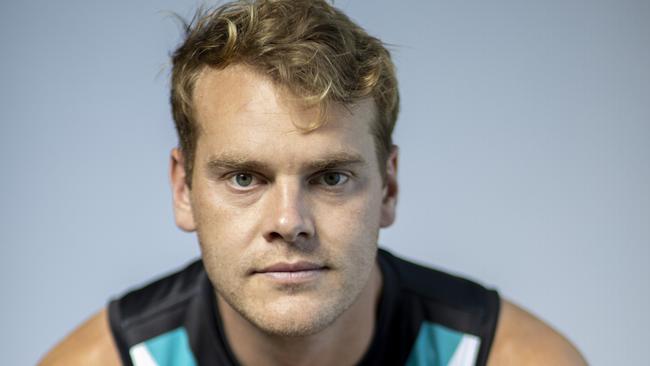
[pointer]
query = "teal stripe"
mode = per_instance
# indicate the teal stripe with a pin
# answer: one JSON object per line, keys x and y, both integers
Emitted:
{"x": 171, "y": 348}
{"x": 434, "y": 346}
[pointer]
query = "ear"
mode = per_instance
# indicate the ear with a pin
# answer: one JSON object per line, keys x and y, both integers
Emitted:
{"x": 180, "y": 192}
{"x": 389, "y": 197}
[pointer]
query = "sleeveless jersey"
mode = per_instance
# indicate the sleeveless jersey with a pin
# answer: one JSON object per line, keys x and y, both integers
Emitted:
{"x": 424, "y": 317}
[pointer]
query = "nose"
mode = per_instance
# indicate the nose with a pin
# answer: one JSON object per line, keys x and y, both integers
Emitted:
{"x": 288, "y": 215}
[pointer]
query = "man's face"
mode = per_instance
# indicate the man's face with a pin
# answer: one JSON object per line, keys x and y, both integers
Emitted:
{"x": 287, "y": 220}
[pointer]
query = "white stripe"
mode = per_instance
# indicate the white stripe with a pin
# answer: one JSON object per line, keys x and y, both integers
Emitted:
{"x": 466, "y": 352}
{"x": 141, "y": 357}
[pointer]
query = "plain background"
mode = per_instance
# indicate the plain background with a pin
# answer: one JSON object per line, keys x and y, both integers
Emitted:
{"x": 525, "y": 158}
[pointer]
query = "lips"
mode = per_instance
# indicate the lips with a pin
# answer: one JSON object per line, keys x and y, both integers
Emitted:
{"x": 293, "y": 274}
{"x": 292, "y": 267}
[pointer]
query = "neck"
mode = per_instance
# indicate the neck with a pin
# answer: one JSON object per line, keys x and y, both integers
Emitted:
{"x": 344, "y": 342}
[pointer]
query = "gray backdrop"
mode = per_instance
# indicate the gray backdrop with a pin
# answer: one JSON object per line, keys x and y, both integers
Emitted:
{"x": 525, "y": 141}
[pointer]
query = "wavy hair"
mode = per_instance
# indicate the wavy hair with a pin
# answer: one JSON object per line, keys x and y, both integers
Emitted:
{"x": 307, "y": 46}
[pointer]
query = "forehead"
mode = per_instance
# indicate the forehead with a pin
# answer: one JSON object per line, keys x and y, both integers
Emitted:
{"x": 241, "y": 111}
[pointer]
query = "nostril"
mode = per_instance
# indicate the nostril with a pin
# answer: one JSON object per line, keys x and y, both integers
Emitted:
{"x": 287, "y": 237}
{"x": 274, "y": 236}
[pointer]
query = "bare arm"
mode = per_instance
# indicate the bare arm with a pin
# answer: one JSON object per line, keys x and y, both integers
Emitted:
{"x": 90, "y": 344}
{"x": 523, "y": 339}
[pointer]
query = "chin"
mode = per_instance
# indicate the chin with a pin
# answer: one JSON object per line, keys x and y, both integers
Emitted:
{"x": 296, "y": 317}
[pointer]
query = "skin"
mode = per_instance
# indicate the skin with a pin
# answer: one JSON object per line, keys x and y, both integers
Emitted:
{"x": 90, "y": 344}
{"x": 264, "y": 191}
{"x": 309, "y": 196}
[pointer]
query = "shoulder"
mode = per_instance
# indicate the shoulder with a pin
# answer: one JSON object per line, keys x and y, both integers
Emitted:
{"x": 523, "y": 339}
{"x": 158, "y": 295}
{"x": 90, "y": 344}
{"x": 436, "y": 285}
{"x": 430, "y": 301}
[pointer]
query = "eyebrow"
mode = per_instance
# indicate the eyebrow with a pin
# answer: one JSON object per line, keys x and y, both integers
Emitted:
{"x": 337, "y": 160}
{"x": 240, "y": 162}
{"x": 233, "y": 162}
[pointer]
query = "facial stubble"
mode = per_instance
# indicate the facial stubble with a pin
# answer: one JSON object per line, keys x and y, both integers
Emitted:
{"x": 296, "y": 311}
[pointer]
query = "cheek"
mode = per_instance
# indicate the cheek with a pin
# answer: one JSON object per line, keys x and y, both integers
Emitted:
{"x": 224, "y": 232}
{"x": 348, "y": 234}
{"x": 218, "y": 220}
{"x": 350, "y": 225}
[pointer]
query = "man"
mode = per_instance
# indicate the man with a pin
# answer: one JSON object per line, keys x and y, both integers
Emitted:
{"x": 286, "y": 170}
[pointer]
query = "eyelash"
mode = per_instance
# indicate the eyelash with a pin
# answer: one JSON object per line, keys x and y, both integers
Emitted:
{"x": 344, "y": 178}
{"x": 231, "y": 179}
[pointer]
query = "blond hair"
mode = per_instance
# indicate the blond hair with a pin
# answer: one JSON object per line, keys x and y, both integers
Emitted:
{"x": 309, "y": 47}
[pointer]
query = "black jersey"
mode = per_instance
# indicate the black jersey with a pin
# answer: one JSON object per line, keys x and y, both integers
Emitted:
{"x": 424, "y": 317}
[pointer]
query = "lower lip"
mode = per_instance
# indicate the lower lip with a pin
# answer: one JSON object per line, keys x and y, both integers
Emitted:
{"x": 296, "y": 276}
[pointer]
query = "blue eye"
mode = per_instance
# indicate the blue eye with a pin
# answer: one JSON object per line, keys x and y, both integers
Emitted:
{"x": 333, "y": 178}
{"x": 243, "y": 179}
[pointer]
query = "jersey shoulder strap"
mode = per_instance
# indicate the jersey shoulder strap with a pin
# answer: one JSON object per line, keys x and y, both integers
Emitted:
{"x": 169, "y": 321}
{"x": 445, "y": 319}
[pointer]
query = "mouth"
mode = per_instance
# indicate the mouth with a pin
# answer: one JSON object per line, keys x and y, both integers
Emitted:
{"x": 293, "y": 272}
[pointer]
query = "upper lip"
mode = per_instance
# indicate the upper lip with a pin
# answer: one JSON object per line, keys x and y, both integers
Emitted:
{"x": 291, "y": 267}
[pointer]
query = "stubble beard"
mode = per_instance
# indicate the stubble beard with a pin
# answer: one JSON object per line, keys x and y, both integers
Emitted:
{"x": 319, "y": 312}
{"x": 300, "y": 321}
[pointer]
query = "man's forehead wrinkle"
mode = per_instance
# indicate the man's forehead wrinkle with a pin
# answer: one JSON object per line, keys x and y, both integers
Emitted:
{"x": 234, "y": 93}
{"x": 218, "y": 93}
